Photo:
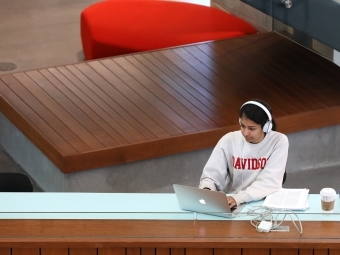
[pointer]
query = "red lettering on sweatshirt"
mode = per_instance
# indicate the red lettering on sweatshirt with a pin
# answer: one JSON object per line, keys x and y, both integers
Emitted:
{"x": 249, "y": 163}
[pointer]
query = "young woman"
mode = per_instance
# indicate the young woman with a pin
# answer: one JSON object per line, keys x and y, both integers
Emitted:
{"x": 249, "y": 163}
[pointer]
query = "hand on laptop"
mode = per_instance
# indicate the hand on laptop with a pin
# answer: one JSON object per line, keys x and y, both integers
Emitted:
{"x": 231, "y": 202}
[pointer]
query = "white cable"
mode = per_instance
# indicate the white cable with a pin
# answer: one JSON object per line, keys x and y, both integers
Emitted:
{"x": 288, "y": 212}
{"x": 265, "y": 214}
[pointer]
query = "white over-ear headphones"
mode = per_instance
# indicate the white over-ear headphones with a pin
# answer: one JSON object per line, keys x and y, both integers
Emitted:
{"x": 269, "y": 125}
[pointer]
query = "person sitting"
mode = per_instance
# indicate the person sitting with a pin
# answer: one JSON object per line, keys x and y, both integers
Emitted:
{"x": 249, "y": 163}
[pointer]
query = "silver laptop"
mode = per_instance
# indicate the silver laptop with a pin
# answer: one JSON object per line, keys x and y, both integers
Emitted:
{"x": 205, "y": 201}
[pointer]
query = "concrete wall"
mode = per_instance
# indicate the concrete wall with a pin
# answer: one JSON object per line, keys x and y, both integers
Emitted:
{"x": 309, "y": 150}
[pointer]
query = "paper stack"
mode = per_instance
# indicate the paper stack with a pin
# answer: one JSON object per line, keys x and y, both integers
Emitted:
{"x": 293, "y": 199}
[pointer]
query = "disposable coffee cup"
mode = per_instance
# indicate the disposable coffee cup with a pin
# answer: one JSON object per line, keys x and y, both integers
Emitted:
{"x": 327, "y": 199}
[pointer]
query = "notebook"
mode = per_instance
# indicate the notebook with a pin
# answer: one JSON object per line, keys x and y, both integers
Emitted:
{"x": 205, "y": 201}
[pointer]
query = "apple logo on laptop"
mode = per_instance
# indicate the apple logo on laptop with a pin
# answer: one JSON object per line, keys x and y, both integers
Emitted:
{"x": 202, "y": 201}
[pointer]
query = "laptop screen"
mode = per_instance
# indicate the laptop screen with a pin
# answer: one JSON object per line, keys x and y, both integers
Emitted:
{"x": 203, "y": 201}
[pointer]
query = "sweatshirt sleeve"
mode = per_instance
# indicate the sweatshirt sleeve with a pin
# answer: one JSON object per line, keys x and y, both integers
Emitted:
{"x": 215, "y": 171}
{"x": 270, "y": 178}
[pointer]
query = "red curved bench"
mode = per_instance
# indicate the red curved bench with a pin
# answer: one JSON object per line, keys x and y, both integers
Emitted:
{"x": 111, "y": 28}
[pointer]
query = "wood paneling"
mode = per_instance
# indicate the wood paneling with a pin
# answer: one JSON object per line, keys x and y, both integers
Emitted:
{"x": 153, "y": 237}
{"x": 147, "y": 235}
{"x": 177, "y": 251}
{"x": 163, "y": 251}
{"x": 148, "y": 251}
{"x": 83, "y": 251}
{"x": 25, "y": 251}
{"x": 306, "y": 252}
{"x": 256, "y": 251}
{"x": 151, "y": 104}
{"x": 111, "y": 251}
{"x": 5, "y": 251}
{"x": 196, "y": 251}
{"x": 54, "y": 251}
{"x": 227, "y": 251}
{"x": 133, "y": 251}
{"x": 284, "y": 252}
{"x": 321, "y": 252}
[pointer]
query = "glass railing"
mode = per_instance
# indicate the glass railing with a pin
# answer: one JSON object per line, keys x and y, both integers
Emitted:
{"x": 312, "y": 23}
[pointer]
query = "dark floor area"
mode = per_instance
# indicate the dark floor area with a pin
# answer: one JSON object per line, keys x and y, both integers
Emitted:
{"x": 8, "y": 165}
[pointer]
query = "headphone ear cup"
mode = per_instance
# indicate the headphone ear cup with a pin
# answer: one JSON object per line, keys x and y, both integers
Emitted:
{"x": 267, "y": 127}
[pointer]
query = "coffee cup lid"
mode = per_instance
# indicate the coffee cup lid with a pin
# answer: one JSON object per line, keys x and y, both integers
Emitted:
{"x": 327, "y": 191}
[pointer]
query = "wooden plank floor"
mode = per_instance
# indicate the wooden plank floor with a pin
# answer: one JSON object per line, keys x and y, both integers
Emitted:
{"x": 134, "y": 107}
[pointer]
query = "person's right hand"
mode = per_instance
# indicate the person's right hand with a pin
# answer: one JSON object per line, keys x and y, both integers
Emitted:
{"x": 231, "y": 202}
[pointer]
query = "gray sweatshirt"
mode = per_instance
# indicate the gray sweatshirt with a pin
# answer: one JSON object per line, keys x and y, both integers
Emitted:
{"x": 248, "y": 171}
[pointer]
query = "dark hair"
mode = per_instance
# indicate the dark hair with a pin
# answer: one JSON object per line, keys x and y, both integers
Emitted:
{"x": 256, "y": 113}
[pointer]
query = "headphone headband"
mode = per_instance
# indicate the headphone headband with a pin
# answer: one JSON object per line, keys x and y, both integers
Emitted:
{"x": 269, "y": 125}
{"x": 261, "y": 106}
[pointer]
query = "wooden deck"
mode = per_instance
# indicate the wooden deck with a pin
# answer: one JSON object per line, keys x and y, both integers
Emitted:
{"x": 152, "y": 104}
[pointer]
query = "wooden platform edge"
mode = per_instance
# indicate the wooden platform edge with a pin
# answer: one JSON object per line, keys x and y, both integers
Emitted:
{"x": 31, "y": 133}
{"x": 165, "y": 147}
{"x": 192, "y": 142}
{"x": 309, "y": 120}
{"x": 146, "y": 150}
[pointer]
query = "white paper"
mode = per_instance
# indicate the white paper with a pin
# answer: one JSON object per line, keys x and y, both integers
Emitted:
{"x": 294, "y": 199}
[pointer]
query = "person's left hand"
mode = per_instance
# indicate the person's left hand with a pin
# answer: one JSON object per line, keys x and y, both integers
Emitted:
{"x": 231, "y": 201}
